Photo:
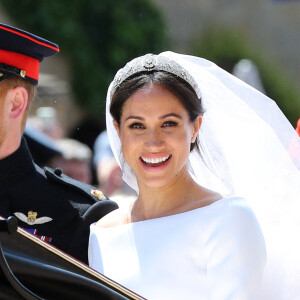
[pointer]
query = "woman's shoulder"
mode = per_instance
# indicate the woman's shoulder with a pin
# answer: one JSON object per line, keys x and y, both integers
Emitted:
{"x": 230, "y": 204}
{"x": 236, "y": 204}
{"x": 229, "y": 212}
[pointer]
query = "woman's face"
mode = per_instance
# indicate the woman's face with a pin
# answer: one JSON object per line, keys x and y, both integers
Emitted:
{"x": 156, "y": 133}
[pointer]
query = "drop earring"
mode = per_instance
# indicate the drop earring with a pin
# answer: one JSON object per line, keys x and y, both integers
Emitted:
{"x": 193, "y": 140}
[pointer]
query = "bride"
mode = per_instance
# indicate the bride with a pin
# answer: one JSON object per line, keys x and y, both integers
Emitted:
{"x": 217, "y": 190}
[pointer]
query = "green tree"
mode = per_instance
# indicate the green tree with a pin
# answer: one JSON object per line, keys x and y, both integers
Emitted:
{"x": 97, "y": 37}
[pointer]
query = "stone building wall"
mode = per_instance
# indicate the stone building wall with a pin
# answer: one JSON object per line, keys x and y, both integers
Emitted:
{"x": 272, "y": 26}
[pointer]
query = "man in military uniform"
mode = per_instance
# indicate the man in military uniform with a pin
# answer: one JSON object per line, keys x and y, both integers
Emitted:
{"x": 47, "y": 203}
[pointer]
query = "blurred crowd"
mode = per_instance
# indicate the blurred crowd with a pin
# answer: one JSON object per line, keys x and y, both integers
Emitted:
{"x": 51, "y": 147}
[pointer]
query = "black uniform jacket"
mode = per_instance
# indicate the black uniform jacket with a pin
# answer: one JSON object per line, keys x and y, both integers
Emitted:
{"x": 50, "y": 204}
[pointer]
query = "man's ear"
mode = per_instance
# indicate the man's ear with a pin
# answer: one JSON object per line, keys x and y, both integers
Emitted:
{"x": 18, "y": 101}
{"x": 117, "y": 127}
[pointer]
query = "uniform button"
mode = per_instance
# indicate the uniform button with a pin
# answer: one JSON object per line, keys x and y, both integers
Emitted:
{"x": 10, "y": 225}
{"x": 23, "y": 73}
{"x": 58, "y": 171}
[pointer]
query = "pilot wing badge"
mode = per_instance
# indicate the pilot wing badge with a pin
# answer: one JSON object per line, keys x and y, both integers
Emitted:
{"x": 31, "y": 218}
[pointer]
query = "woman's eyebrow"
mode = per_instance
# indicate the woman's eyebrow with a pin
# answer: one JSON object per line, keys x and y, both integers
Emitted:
{"x": 170, "y": 115}
{"x": 160, "y": 118}
{"x": 135, "y": 117}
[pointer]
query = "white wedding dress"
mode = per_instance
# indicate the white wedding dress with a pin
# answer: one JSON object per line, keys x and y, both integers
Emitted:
{"x": 213, "y": 252}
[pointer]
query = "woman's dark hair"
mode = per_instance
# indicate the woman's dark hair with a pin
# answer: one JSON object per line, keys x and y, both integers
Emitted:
{"x": 177, "y": 86}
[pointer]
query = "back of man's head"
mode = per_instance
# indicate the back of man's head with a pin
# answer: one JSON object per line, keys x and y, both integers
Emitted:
{"x": 20, "y": 55}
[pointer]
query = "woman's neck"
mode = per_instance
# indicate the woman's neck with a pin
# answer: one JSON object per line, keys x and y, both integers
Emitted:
{"x": 167, "y": 200}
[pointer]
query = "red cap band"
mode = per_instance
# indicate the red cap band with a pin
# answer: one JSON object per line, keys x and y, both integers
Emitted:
{"x": 29, "y": 64}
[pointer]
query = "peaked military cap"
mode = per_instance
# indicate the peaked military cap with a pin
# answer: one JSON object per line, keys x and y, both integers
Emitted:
{"x": 21, "y": 53}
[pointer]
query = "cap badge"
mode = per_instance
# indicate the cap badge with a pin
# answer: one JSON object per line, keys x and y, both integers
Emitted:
{"x": 31, "y": 218}
{"x": 98, "y": 194}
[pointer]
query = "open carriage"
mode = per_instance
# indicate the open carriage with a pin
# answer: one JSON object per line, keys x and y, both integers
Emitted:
{"x": 33, "y": 269}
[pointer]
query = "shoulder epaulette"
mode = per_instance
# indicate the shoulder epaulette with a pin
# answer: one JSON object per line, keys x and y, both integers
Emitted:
{"x": 58, "y": 176}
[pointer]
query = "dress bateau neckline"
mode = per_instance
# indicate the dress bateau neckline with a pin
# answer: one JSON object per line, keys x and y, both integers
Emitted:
{"x": 216, "y": 203}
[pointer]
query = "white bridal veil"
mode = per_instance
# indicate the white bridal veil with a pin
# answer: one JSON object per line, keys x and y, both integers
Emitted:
{"x": 250, "y": 149}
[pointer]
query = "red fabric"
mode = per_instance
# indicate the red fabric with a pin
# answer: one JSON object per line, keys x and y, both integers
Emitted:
{"x": 298, "y": 127}
{"x": 29, "y": 64}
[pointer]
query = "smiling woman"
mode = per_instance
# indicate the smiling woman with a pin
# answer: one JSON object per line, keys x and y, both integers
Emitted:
{"x": 156, "y": 133}
{"x": 190, "y": 234}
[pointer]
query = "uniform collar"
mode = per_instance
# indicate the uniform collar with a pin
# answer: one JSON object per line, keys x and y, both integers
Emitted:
{"x": 16, "y": 166}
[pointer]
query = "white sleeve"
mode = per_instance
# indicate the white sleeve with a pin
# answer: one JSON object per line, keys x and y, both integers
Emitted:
{"x": 94, "y": 252}
{"x": 236, "y": 254}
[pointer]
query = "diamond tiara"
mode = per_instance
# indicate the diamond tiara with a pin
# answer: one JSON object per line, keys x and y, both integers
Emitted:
{"x": 152, "y": 62}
